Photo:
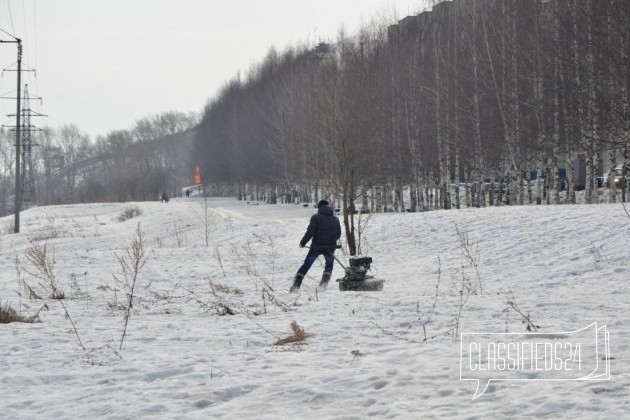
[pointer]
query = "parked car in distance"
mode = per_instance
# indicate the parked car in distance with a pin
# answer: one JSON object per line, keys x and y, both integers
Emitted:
{"x": 617, "y": 177}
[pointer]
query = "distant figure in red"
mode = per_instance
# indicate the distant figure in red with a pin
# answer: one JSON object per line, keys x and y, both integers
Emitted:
{"x": 165, "y": 197}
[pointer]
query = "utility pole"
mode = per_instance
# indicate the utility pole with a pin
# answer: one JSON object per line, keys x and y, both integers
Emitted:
{"x": 18, "y": 144}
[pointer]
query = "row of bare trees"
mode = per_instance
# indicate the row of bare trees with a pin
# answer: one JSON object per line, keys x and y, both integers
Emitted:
{"x": 135, "y": 164}
{"x": 516, "y": 101}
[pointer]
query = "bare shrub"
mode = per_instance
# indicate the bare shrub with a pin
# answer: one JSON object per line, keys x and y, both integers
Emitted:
{"x": 299, "y": 336}
{"x": 129, "y": 213}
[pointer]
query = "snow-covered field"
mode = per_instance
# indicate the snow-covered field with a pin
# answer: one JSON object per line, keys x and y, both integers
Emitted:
{"x": 184, "y": 357}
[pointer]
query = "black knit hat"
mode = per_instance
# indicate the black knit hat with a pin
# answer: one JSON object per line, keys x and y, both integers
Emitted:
{"x": 322, "y": 203}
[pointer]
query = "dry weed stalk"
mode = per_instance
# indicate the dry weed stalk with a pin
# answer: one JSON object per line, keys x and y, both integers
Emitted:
{"x": 470, "y": 251}
{"x": 248, "y": 259}
{"x": 20, "y": 276}
{"x": 38, "y": 256}
{"x": 130, "y": 267}
{"x": 269, "y": 294}
{"x": 44, "y": 264}
{"x": 217, "y": 254}
{"x": 214, "y": 305}
{"x": 525, "y": 319}
{"x": 426, "y": 320}
{"x": 218, "y": 305}
{"x": 268, "y": 243}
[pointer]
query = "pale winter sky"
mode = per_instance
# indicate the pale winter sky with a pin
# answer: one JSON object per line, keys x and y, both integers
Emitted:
{"x": 102, "y": 65}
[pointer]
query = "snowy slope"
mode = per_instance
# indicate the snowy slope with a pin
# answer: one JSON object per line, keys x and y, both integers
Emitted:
{"x": 565, "y": 266}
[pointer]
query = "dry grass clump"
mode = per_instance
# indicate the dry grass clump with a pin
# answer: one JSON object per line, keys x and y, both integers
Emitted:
{"x": 217, "y": 288}
{"x": 9, "y": 315}
{"x": 299, "y": 336}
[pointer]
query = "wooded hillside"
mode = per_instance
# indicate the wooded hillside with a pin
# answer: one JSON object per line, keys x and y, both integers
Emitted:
{"x": 513, "y": 101}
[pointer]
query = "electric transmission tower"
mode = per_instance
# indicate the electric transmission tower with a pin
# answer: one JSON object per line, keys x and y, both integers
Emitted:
{"x": 26, "y": 162}
{"x": 28, "y": 181}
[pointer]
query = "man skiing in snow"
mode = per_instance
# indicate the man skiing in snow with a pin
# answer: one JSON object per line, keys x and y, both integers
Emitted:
{"x": 324, "y": 229}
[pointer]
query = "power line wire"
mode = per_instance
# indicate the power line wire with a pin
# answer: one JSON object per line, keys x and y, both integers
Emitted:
{"x": 10, "y": 17}
{"x": 35, "y": 32}
{"x": 25, "y": 29}
{"x": 10, "y": 34}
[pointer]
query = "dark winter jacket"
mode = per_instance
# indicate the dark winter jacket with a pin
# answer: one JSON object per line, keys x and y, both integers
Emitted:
{"x": 324, "y": 229}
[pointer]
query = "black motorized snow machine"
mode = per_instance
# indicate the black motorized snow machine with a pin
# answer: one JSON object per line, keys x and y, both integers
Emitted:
{"x": 357, "y": 278}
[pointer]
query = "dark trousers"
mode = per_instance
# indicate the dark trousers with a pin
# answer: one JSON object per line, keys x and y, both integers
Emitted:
{"x": 312, "y": 256}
